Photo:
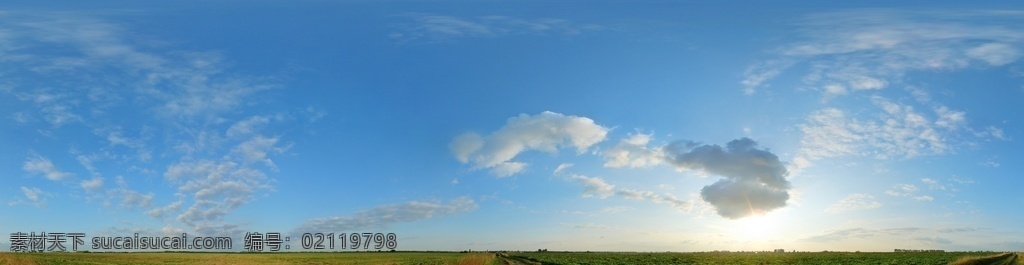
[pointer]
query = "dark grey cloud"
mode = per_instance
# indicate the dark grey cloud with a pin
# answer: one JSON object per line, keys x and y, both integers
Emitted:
{"x": 755, "y": 180}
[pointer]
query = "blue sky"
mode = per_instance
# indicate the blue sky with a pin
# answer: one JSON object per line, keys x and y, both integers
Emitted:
{"x": 615, "y": 126}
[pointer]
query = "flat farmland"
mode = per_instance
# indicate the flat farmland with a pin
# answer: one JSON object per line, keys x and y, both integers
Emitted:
{"x": 597, "y": 258}
{"x": 562, "y": 258}
{"x": 425, "y": 258}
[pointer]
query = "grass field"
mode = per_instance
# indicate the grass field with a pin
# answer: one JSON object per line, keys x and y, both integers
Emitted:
{"x": 426, "y": 258}
{"x": 753, "y": 258}
{"x": 564, "y": 258}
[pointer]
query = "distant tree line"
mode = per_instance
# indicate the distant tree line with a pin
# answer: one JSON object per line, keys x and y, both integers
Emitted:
{"x": 918, "y": 250}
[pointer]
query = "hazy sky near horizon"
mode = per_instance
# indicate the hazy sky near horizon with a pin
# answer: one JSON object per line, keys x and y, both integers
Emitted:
{"x": 659, "y": 126}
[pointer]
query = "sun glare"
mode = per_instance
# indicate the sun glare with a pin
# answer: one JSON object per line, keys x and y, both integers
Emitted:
{"x": 757, "y": 227}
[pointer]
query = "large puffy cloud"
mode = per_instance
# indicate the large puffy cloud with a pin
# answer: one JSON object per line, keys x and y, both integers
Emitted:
{"x": 755, "y": 180}
{"x": 382, "y": 216}
{"x": 547, "y": 132}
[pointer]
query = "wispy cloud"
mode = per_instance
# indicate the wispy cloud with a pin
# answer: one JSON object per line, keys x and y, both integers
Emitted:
{"x": 854, "y": 202}
{"x": 633, "y": 152}
{"x": 895, "y": 131}
{"x": 919, "y": 233}
{"x": 40, "y": 165}
{"x": 872, "y": 49}
{"x": 33, "y": 196}
{"x": 598, "y": 188}
{"x": 385, "y": 215}
{"x": 851, "y": 52}
{"x": 898, "y": 132}
{"x": 909, "y": 191}
{"x": 594, "y": 187}
{"x": 439, "y": 28}
{"x": 105, "y": 80}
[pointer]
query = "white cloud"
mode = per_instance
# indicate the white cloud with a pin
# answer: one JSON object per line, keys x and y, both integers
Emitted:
{"x": 756, "y": 75}
{"x": 171, "y": 231}
{"x": 466, "y": 144}
{"x": 216, "y": 188}
{"x": 386, "y": 215}
{"x": 996, "y": 133}
{"x": 561, "y": 167}
{"x": 183, "y": 84}
{"x": 964, "y": 181}
{"x": 899, "y": 131}
{"x": 950, "y": 119}
{"x": 506, "y": 169}
{"x": 995, "y": 53}
{"x": 833, "y": 90}
{"x": 899, "y": 233}
{"x": 161, "y": 211}
{"x": 594, "y": 187}
{"x": 93, "y": 185}
{"x": 615, "y": 209}
{"x": 450, "y": 26}
{"x": 247, "y": 126}
{"x": 34, "y": 196}
{"x": 188, "y": 98}
{"x": 872, "y": 49}
{"x": 256, "y": 150}
{"x": 439, "y": 28}
{"x": 990, "y": 163}
{"x": 854, "y": 202}
{"x": 902, "y": 190}
{"x": 907, "y": 190}
{"x": 545, "y": 132}
{"x": 754, "y": 179}
{"x": 671, "y": 200}
{"x": 633, "y": 152}
{"x": 589, "y": 226}
{"x": 128, "y": 198}
{"x": 43, "y": 166}
{"x": 934, "y": 184}
{"x": 919, "y": 94}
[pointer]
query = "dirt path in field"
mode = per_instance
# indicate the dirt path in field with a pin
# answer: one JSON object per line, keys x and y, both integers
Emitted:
{"x": 1002, "y": 259}
{"x": 1010, "y": 259}
{"x": 509, "y": 260}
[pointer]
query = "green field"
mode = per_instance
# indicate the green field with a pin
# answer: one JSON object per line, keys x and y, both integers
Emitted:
{"x": 251, "y": 258}
{"x": 746, "y": 258}
{"x": 564, "y": 258}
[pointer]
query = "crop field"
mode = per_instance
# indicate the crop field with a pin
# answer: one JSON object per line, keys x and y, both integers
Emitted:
{"x": 426, "y": 258}
{"x": 760, "y": 258}
{"x": 564, "y": 258}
